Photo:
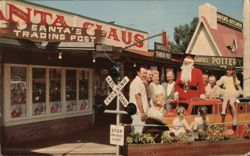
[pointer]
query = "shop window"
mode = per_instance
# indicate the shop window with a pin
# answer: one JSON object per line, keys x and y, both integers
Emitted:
{"x": 83, "y": 90}
{"x": 55, "y": 104}
{"x": 70, "y": 90}
{"x": 38, "y": 91}
{"x": 18, "y": 91}
{"x": 45, "y": 92}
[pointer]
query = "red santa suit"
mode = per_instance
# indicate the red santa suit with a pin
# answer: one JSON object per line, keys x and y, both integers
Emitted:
{"x": 194, "y": 88}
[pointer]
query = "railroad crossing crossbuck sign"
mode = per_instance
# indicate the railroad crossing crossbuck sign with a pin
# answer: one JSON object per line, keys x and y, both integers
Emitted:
{"x": 117, "y": 91}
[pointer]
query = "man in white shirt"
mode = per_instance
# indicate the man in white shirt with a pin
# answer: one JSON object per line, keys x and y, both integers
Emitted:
{"x": 138, "y": 96}
{"x": 169, "y": 89}
{"x": 205, "y": 78}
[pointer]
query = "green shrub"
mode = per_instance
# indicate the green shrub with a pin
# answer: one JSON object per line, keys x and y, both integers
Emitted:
{"x": 137, "y": 138}
{"x": 212, "y": 133}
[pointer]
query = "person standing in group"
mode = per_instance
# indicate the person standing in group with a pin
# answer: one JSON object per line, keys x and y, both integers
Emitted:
{"x": 205, "y": 78}
{"x": 155, "y": 87}
{"x": 189, "y": 83}
{"x": 212, "y": 90}
{"x": 169, "y": 89}
{"x": 138, "y": 96}
{"x": 231, "y": 85}
{"x": 148, "y": 80}
{"x": 149, "y": 76}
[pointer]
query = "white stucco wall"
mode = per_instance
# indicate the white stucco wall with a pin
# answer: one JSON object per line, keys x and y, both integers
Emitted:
{"x": 203, "y": 44}
{"x": 246, "y": 58}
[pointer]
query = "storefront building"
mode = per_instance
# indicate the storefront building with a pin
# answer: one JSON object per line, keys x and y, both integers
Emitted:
{"x": 217, "y": 41}
{"x": 53, "y": 68}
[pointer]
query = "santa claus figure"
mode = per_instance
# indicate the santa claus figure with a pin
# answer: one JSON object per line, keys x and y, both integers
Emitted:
{"x": 189, "y": 82}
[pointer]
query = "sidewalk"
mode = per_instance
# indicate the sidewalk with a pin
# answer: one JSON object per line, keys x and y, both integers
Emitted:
{"x": 93, "y": 141}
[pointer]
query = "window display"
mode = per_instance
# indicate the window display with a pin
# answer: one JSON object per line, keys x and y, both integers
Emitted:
{"x": 41, "y": 92}
{"x": 38, "y": 91}
{"x": 55, "y": 90}
{"x": 83, "y": 90}
{"x": 18, "y": 91}
{"x": 70, "y": 90}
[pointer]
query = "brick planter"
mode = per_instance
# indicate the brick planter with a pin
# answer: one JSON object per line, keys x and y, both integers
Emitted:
{"x": 196, "y": 148}
{"x": 39, "y": 130}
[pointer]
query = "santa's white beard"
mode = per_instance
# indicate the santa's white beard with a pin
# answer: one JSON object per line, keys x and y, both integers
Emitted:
{"x": 186, "y": 74}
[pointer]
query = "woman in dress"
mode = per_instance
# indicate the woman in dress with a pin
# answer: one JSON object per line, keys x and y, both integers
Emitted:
{"x": 231, "y": 86}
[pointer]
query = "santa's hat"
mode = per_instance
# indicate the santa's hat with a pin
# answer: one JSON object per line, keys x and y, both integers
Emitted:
{"x": 188, "y": 59}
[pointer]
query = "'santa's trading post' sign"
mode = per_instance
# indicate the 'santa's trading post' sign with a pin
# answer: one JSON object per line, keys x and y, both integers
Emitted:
{"x": 37, "y": 23}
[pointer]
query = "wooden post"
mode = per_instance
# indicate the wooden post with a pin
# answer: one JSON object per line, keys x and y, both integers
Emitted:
{"x": 246, "y": 54}
{"x": 1, "y": 98}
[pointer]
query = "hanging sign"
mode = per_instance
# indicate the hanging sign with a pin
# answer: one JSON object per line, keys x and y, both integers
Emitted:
{"x": 162, "y": 51}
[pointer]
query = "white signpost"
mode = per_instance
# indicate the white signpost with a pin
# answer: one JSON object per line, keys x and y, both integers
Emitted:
{"x": 117, "y": 131}
{"x": 117, "y": 90}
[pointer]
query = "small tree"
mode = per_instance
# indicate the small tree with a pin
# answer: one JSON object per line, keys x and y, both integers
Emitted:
{"x": 183, "y": 35}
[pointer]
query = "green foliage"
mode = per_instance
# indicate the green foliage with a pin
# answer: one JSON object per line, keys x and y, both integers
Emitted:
{"x": 183, "y": 35}
{"x": 212, "y": 133}
{"x": 137, "y": 138}
{"x": 167, "y": 138}
{"x": 202, "y": 135}
{"x": 218, "y": 132}
{"x": 180, "y": 138}
{"x": 184, "y": 138}
{"x": 246, "y": 131}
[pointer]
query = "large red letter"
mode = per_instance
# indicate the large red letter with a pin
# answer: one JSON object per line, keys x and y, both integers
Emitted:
{"x": 43, "y": 15}
{"x": 13, "y": 10}
{"x": 137, "y": 38}
{"x": 98, "y": 27}
{"x": 2, "y": 18}
{"x": 87, "y": 24}
{"x": 129, "y": 38}
{"x": 60, "y": 20}
{"x": 113, "y": 34}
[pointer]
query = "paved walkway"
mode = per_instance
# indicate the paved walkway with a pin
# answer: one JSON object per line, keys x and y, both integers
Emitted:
{"x": 93, "y": 141}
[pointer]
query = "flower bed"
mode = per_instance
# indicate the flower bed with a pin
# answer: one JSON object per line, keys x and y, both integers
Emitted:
{"x": 214, "y": 140}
